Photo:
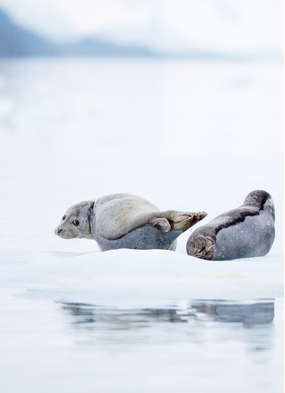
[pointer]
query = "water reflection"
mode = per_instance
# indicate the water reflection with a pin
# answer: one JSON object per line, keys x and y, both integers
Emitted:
{"x": 122, "y": 319}
{"x": 198, "y": 321}
{"x": 261, "y": 312}
{"x": 248, "y": 314}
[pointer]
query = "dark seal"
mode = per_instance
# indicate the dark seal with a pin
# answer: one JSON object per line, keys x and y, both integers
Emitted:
{"x": 245, "y": 232}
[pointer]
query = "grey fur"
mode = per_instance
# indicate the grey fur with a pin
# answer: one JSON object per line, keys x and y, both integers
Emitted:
{"x": 126, "y": 221}
{"x": 245, "y": 232}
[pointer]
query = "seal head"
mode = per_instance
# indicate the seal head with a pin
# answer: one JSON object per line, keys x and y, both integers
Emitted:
{"x": 76, "y": 222}
{"x": 262, "y": 200}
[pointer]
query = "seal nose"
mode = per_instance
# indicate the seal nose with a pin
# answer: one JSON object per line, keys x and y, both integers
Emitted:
{"x": 59, "y": 230}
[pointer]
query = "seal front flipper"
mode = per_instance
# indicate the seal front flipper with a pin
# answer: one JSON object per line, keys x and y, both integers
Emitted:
{"x": 161, "y": 223}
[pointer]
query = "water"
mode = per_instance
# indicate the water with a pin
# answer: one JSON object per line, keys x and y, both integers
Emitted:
{"x": 185, "y": 135}
{"x": 206, "y": 346}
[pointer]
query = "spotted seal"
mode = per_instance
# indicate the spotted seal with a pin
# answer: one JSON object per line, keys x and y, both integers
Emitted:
{"x": 247, "y": 231}
{"x": 125, "y": 221}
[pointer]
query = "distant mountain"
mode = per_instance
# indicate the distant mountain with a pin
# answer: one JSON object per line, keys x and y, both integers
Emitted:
{"x": 95, "y": 47}
{"x": 15, "y": 41}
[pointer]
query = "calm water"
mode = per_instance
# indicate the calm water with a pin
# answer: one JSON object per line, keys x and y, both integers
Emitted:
{"x": 187, "y": 136}
{"x": 200, "y": 345}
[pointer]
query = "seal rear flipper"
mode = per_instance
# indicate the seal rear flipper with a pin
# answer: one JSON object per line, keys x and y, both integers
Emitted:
{"x": 202, "y": 247}
{"x": 176, "y": 221}
{"x": 181, "y": 221}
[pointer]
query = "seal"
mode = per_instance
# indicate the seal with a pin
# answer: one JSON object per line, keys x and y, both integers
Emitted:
{"x": 125, "y": 221}
{"x": 245, "y": 232}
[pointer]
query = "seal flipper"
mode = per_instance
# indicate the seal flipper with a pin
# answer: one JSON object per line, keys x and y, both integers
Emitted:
{"x": 184, "y": 221}
{"x": 203, "y": 247}
{"x": 162, "y": 224}
{"x": 177, "y": 221}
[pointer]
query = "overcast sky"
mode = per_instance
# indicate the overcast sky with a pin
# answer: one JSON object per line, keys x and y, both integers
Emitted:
{"x": 236, "y": 26}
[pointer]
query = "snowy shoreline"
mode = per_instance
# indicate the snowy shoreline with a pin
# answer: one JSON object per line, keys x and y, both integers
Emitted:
{"x": 142, "y": 276}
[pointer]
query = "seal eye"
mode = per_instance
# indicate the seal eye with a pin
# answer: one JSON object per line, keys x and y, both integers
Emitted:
{"x": 64, "y": 217}
{"x": 75, "y": 222}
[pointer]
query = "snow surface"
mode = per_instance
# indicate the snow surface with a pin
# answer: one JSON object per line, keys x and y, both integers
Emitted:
{"x": 145, "y": 278}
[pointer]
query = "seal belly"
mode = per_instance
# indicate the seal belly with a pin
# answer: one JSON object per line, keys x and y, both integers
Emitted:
{"x": 251, "y": 238}
{"x": 143, "y": 238}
